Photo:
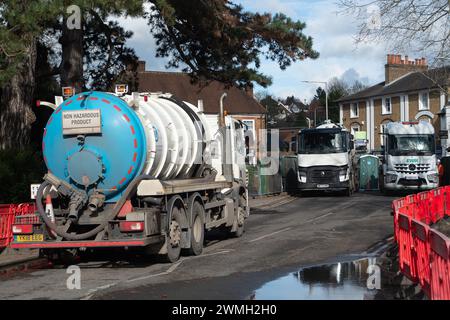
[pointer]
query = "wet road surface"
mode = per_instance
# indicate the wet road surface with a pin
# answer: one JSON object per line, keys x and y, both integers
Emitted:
{"x": 282, "y": 234}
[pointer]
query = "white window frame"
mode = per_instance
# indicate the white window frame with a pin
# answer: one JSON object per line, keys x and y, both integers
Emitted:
{"x": 352, "y": 114}
{"x": 355, "y": 126}
{"x": 421, "y": 107}
{"x": 383, "y": 105}
{"x": 253, "y": 128}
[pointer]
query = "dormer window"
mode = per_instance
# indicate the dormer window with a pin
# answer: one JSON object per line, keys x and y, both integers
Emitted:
{"x": 387, "y": 106}
{"x": 354, "y": 110}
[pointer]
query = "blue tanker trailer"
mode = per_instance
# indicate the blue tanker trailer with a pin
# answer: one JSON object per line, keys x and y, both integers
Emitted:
{"x": 142, "y": 170}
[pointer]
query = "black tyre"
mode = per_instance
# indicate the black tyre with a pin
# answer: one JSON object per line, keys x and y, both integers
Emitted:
{"x": 240, "y": 218}
{"x": 173, "y": 240}
{"x": 197, "y": 229}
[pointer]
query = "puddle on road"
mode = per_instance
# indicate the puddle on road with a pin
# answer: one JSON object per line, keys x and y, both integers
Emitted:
{"x": 338, "y": 281}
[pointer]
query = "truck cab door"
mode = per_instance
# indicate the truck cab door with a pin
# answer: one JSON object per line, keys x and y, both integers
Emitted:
{"x": 238, "y": 150}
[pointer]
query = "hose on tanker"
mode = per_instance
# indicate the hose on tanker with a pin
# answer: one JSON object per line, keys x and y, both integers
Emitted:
{"x": 115, "y": 211}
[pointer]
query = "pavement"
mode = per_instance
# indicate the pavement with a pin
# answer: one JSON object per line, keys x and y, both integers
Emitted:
{"x": 283, "y": 233}
{"x": 10, "y": 256}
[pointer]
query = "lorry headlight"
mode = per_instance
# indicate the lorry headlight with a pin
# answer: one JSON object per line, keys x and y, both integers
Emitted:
{"x": 343, "y": 175}
{"x": 433, "y": 178}
{"x": 302, "y": 176}
{"x": 391, "y": 178}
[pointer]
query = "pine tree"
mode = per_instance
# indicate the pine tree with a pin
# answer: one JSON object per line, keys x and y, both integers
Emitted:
{"x": 218, "y": 40}
{"x": 21, "y": 21}
{"x": 215, "y": 39}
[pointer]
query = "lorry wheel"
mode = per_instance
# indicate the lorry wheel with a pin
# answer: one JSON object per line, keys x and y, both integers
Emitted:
{"x": 173, "y": 240}
{"x": 240, "y": 218}
{"x": 240, "y": 224}
{"x": 197, "y": 229}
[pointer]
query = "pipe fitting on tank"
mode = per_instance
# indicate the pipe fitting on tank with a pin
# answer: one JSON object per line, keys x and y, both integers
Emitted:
{"x": 96, "y": 201}
{"x": 77, "y": 201}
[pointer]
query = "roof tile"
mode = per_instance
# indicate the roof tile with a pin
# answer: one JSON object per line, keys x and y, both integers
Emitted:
{"x": 180, "y": 85}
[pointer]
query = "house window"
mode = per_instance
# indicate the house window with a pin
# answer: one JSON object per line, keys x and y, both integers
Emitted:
{"x": 355, "y": 128}
{"x": 387, "y": 106}
{"x": 249, "y": 129}
{"x": 249, "y": 125}
{"x": 354, "y": 110}
{"x": 424, "y": 101}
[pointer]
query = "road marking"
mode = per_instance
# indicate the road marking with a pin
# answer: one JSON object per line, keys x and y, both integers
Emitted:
{"x": 91, "y": 292}
{"x": 271, "y": 205}
{"x": 213, "y": 253}
{"x": 175, "y": 266}
{"x": 270, "y": 201}
{"x": 270, "y": 234}
{"x": 281, "y": 203}
{"x": 170, "y": 270}
{"x": 319, "y": 217}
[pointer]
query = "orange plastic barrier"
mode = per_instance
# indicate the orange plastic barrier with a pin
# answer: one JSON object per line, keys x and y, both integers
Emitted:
{"x": 440, "y": 265}
{"x": 437, "y": 207}
{"x": 9, "y": 212}
{"x": 420, "y": 232}
{"x": 398, "y": 206}
{"x": 423, "y": 207}
{"x": 447, "y": 200}
{"x": 424, "y": 253}
{"x": 6, "y": 219}
{"x": 405, "y": 247}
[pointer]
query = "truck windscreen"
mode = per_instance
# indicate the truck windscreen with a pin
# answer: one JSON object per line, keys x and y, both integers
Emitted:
{"x": 322, "y": 142}
{"x": 399, "y": 145}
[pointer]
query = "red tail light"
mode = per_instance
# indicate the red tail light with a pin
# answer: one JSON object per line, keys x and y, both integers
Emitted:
{"x": 22, "y": 229}
{"x": 131, "y": 226}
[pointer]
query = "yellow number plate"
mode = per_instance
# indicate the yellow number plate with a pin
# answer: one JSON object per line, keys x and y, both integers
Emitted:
{"x": 30, "y": 238}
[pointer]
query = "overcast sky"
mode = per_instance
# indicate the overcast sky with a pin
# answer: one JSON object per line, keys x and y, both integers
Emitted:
{"x": 333, "y": 35}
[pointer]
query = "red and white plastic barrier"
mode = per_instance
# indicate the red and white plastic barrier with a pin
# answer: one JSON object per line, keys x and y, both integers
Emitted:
{"x": 11, "y": 212}
{"x": 424, "y": 253}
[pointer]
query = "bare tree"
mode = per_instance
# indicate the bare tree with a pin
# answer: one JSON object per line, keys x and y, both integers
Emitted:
{"x": 417, "y": 26}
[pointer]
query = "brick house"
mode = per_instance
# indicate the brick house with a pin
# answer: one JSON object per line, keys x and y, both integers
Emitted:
{"x": 410, "y": 91}
{"x": 239, "y": 103}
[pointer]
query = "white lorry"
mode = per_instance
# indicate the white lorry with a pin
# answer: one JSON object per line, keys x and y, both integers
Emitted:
{"x": 409, "y": 157}
{"x": 326, "y": 159}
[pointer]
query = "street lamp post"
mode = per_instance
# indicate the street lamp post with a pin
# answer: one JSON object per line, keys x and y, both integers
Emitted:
{"x": 326, "y": 94}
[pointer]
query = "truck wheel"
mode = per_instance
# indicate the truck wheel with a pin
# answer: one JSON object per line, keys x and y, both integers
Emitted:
{"x": 197, "y": 229}
{"x": 240, "y": 223}
{"x": 173, "y": 240}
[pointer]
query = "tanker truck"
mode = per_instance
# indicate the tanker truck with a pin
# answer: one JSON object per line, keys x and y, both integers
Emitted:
{"x": 144, "y": 171}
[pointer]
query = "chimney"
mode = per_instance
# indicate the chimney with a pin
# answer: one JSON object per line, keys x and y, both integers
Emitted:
{"x": 249, "y": 90}
{"x": 141, "y": 66}
{"x": 397, "y": 67}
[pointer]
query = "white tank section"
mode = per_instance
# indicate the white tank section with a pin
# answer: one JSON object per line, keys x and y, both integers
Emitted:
{"x": 179, "y": 136}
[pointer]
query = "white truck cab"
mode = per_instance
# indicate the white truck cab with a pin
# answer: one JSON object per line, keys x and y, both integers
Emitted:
{"x": 325, "y": 159}
{"x": 409, "y": 157}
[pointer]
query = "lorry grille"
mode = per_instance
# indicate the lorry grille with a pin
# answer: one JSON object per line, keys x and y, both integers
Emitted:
{"x": 418, "y": 182}
{"x": 324, "y": 176}
{"x": 412, "y": 168}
